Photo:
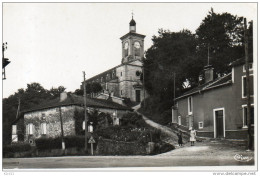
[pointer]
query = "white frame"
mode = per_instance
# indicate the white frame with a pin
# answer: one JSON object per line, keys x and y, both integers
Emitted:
{"x": 243, "y": 85}
{"x": 214, "y": 120}
{"x": 243, "y": 111}
{"x": 14, "y": 132}
{"x": 190, "y": 106}
{"x": 202, "y": 126}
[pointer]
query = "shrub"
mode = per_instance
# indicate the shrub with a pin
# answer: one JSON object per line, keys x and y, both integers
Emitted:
{"x": 162, "y": 147}
{"x": 18, "y": 147}
{"x": 74, "y": 141}
{"x": 48, "y": 143}
{"x": 132, "y": 119}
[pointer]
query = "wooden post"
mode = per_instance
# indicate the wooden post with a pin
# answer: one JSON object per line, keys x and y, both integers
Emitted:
{"x": 247, "y": 86}
{"x": 85, "y": 112}
{"x": 62, "y": 134}
{"x": 143, "y": 85}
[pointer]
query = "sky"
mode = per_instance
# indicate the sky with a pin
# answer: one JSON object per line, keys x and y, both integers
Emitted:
{"x": 53, "y": 43}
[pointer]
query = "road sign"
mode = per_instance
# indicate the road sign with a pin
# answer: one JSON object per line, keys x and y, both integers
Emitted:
{"x": 91, "y": 140}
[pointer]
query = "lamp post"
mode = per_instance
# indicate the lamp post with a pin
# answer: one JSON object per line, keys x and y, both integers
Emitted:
{"x": 5, "y": 61}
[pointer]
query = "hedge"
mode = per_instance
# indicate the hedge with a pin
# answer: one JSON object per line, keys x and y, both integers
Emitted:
{"x": 17, "y": 147}
{"x": 55, "y": 143}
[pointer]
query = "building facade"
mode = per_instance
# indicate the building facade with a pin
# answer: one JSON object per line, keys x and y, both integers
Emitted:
{"x": 218, "y": 108}
{"x": 124, "y": 80}
{"x": 45, "y": 120}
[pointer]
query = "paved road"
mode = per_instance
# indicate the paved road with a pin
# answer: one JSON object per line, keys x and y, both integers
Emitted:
{"x": 118, "y": 161}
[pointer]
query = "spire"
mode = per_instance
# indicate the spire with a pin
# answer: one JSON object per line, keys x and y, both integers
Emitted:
{"x": 132, "y": 23}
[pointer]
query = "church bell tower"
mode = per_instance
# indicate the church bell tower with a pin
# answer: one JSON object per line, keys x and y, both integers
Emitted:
{"x": 132, "y": 44}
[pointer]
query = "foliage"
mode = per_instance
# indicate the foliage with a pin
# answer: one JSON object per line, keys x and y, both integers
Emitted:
{"x": 33, "y": 95}
{"x": 182, "y": 55}
{"x": 162, "y": 147}
{"x": 17, "y": 147}
{"x": 99, "y": 120}
{"x": 111, "y": 147}
{"x": 93, "y": 87}
{"x": 223, "y": 34}
{"x": 48, "y": 143}
{"x": 133, "y": 119}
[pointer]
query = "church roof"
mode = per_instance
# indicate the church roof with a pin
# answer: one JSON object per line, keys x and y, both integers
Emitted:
{"x": 109, "y": 70}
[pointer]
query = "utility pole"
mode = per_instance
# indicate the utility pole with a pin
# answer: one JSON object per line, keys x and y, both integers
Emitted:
{"x": 173, "y": 88}
{"x": 85, "y": 112}
{"x": 247, "y": 86}
{"x": 18, "y": 109}
{"x": 143, "y": 85}
{"x": 62, "y": 133}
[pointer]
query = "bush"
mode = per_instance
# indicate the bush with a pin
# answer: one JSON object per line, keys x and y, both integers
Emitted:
{"x": 18, "y": 147}
{"x": 132, "y": 119}
{"x": 74, "y": 141}
{"x": 162, "y": 147}
{"x": 48, "y": 143}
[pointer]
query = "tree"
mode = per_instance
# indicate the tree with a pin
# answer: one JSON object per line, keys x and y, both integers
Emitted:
{"x": 171, "y": 52}
{"x": 55, "y": 92}
{"x": 222, "y": 34}
{"x": 29, "y": 97}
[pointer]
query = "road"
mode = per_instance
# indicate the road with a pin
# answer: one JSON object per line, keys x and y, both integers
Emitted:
{"x": 118, "y": 161}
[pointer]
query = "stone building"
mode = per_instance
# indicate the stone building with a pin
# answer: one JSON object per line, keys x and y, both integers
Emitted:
{"x": 44, "y": 120}
{"x": 123, "y": 81}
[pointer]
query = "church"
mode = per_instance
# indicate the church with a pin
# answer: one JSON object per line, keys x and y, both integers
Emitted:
{"x": 124, "y": 81}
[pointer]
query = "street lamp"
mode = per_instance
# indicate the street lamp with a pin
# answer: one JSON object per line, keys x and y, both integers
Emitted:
{"x": 5, "y": 61}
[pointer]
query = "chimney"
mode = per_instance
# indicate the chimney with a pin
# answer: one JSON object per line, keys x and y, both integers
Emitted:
{"x": 63, "y": 96}
{"x": 209, "y": 73}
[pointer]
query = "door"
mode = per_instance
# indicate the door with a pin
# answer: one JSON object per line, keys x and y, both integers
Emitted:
{"x": 138, "y": 95}
{"x": 219, "y": 124}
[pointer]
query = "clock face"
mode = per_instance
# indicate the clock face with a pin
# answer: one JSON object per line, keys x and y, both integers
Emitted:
{"x": 137, "y": 45}
{"x": 126, "y": 45}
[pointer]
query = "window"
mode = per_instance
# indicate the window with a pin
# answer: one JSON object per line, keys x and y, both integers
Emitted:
{"x": 244, "y": 87}
{"x": 189, "y": 105}
{"x": 179, "y": 120}
{"x": 121, "y": 92}
{"x": 14, "y": 129}
{"x": 30, "y": 129}
{"x": 101, "y": 79}
{"x": 245, "y": 119}
{"x": 83, "y": 125}
{"x": 44, "y": 128}
{"x": 250, "y": 67}
{"x": 200, "y": 125}
{"x": 121, "y": 73}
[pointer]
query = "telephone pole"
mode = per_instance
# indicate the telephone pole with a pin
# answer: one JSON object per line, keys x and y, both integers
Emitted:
{"x": 143, "y": 85}
{"x": 247, "y": 87}
{"x": 85, "y": 112}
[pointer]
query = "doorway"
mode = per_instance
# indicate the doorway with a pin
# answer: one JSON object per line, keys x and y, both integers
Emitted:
{"x": 138, "y": 96}
{"x": 219, "y": 123}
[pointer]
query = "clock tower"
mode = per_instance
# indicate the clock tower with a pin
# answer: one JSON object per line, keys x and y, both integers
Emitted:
{"x": 132, "y": 44}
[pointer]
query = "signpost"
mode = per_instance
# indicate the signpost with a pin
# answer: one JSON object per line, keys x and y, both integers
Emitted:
{"x": 92, "y": 141}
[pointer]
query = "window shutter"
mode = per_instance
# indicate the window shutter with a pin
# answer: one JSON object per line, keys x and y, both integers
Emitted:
{"x": 27, "y": 129}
